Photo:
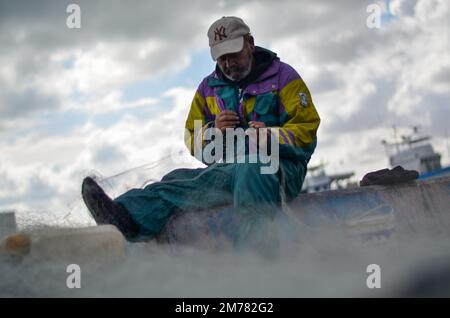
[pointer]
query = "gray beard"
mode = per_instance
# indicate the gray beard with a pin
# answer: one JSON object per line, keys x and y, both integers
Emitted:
{"x": 244, "y": 74}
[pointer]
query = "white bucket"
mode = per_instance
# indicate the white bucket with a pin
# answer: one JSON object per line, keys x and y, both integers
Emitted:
{"x": 96, "y": 243}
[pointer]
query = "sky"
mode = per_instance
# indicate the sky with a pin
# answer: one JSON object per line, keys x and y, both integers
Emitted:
{"x": 114, "y": 94}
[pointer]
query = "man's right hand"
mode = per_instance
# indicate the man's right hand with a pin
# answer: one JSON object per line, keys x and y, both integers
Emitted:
{"x": 226, "y": 119}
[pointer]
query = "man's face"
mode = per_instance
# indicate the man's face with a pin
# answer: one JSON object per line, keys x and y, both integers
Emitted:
{"x": 237, "y": 66}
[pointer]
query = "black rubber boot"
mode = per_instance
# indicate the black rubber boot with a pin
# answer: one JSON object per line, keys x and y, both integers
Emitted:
{"x": 106, "y": 211}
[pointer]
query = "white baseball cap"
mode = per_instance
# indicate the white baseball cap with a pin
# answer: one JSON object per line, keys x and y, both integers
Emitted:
{"x": 226, "y": 35}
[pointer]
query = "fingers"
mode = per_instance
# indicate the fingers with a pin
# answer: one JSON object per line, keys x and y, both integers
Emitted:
{"x": 227, "y": 115}
{"x": 231, "y": 122}
{"x": 227, "y": 112}
{"x": 227, "y": 119}
{"x": 256, "y": 124}
{"x": 230, "y": 119}
{"x": 224, "y": 118}
{"x": 223, "y": 128}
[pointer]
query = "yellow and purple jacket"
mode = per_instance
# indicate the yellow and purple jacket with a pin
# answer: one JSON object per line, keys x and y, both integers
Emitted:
{"x": 278, "y": 97}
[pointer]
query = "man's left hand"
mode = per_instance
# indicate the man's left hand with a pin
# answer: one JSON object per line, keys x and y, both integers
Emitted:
{"x": 264, "y": 140}
{"x": 257, "y": 124}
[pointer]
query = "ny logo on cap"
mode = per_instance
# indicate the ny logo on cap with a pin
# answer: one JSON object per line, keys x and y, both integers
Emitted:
{"x": 219, "y": 32}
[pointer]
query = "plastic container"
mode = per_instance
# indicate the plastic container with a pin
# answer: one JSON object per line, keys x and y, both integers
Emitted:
{"x": 97, "y": 243}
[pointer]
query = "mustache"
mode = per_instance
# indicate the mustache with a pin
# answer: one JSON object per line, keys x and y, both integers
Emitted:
{"x": 233, "y": 69}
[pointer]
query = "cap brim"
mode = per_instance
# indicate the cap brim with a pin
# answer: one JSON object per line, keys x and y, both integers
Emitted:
{"x": 231, "y": 46}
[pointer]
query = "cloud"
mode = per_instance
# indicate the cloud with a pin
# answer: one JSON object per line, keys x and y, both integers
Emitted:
{"x": 43, "y": 63}
{"x": 25, "y": 102}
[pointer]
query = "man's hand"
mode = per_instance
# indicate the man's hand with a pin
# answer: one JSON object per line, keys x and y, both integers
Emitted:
{"x": 226, "y": 119}
{"x": 256, "y": 124}
{"x": 264, "y": 140}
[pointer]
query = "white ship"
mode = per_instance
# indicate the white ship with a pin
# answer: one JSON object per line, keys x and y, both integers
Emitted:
{"x": 318, "y": 180}
{"x": 415, "y": 152}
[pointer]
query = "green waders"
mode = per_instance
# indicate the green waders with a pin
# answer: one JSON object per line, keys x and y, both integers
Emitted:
{"x": 255, "y": 195}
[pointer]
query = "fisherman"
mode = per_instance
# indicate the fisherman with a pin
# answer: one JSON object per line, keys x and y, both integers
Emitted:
{"x": 250, "y": 88}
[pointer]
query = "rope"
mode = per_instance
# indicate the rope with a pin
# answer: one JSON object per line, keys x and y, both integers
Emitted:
{"x": 157, "y": 162}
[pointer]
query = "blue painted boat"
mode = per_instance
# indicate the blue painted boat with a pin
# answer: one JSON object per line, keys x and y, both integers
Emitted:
{"x": 365, "y": 214}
